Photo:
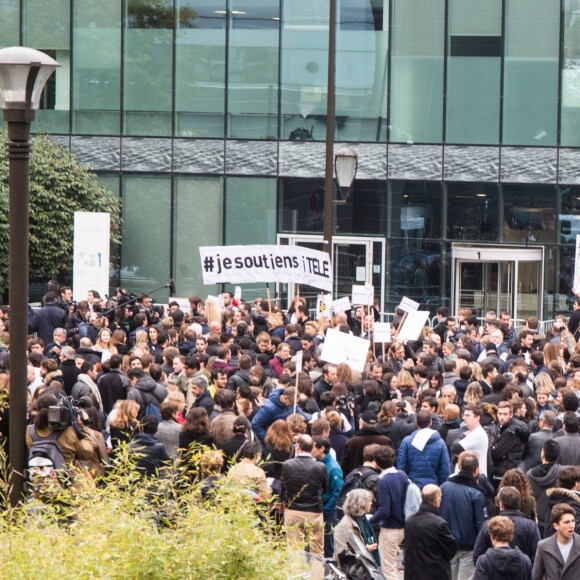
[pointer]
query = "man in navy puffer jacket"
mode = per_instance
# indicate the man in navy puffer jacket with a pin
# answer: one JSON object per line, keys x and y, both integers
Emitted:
{"x": 423, "y": 455}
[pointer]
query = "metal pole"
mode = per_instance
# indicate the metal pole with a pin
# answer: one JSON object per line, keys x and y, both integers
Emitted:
{"x": 328, "y": 224}
{"x": 18, "y": 123}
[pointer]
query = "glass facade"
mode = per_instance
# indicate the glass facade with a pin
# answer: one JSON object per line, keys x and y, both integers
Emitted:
{"x": 465, "y": 116}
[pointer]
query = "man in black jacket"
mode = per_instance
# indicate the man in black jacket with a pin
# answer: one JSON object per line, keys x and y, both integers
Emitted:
{"x": 429, "y": 543}
{"x": 526, "y": 535}
{"x": 304, "y": 480}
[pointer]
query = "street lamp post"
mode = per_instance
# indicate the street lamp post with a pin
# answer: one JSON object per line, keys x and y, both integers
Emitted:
{"x": 23, "y": 74}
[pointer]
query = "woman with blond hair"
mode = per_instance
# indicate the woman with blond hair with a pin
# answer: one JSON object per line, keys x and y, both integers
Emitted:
{"x": 275, "y": 321}
{"x": 123, "y": 423}
{"x": 473, "y": 393}
{"x": 104, "y": 344}
{"x": 406, "y": 384}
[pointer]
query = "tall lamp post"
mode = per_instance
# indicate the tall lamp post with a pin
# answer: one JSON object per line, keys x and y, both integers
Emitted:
{"x": 23, "y": 74}
{"x": 344, "y": 163}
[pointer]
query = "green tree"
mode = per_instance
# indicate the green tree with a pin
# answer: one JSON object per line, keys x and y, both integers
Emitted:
{"x": 59, "y": 186}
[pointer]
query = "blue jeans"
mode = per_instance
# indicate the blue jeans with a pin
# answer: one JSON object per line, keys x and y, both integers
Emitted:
{"x": 330, "y": 520}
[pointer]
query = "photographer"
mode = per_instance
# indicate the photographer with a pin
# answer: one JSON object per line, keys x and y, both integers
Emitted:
{"x": 73, "y": 448}
{"x": 145, "y": 305}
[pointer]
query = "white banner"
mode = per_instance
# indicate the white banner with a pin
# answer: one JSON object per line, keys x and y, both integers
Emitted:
{"x": 239, "y": 264}
{"x": 91, "y": 253}
{"x": 576, "y": 286}
{"x": 340, "y": 347}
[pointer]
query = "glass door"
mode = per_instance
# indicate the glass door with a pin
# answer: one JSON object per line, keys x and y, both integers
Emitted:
{"x": 356, "y": 261}
{"x": 498, "y": 278}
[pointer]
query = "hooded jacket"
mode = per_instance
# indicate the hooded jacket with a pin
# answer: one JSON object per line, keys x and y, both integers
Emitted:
{"x": 542, "y": 478}
{"x": 503, "y": 564}
{"x": 146, "y": 385}
{"x": 561, "y": 495}
{"x": 429, "y": 465}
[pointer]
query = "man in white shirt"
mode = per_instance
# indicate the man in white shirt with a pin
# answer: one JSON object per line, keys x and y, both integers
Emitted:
{"x": 475, "y": 438}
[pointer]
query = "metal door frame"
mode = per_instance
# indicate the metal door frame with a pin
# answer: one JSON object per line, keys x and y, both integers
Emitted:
{"x": 294, "y": 239}
{"x": 461, "y": 254}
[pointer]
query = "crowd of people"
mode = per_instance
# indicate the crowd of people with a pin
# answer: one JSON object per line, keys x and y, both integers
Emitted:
{"x": 453, "y": 456}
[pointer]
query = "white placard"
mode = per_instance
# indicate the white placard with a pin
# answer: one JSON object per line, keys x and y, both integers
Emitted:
{"x": 340, "y": 347}
{"x": 382, "y": 332}
{"x": 237, "y": 292}
{"x": 413, "y": 325}
{"x": 341, "y": 305}
{"x": 184, "y": 304}
{"x": 408, "y": 305}
{"x": 239, "y": 264}
{"x": 323, "y": 306}
{"x": 91, "y": 253}
{"x": 363, "y": 295}
{"x": 576, "y": 287}
{"x": 298, "y": 361}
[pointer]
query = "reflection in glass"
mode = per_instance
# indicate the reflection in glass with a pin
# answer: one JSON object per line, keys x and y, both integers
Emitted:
{"x": 532, "y": 40}
{"x": 529, "y": 213}
{"x": 416, "y": 106}
{"x": 96, "y": 73}
{"x": 570, "y": 113}
{"x": 472, "y": 211}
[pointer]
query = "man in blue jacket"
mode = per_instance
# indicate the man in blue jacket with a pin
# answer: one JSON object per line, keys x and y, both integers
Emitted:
{"x": 321, "y": 452}
{"x": 423, "y": 455}
{"x": 279, "y": 406}
{"x": 463, "y": 507}
{"x": 390, "y": 514}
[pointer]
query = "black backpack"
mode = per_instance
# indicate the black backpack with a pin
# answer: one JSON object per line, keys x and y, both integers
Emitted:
{"x": 356, "y": 479}
{"x": 150, "y": 406}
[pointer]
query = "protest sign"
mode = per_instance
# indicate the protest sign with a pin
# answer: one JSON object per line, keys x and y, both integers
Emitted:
{"x": 363, "y": 295}
{"x": 341, "y": 305}
{"x": 413, "y": 325}
{"x": 298, "y": 361}
{"x": 408, "y": 305}
{"x": 382, "y": 332}
{"x": 340, "y": 347}
{"x": 576, "y": 286}
{"x": 261, "y": 263}
{"x": 184, "y": 304}
{"x": 324, "y": 306}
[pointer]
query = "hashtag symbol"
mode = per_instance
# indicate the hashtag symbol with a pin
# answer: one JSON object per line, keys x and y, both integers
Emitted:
{"x": 208, "y": 264}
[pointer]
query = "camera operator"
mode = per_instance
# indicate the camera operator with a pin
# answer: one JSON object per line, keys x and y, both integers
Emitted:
{"x": 73, "y": 448}
{"x": 145, "y": 305}
{"x": 59, "y": 339}
{"x": 76, "y": 320}
{"x": 65, "y": 297}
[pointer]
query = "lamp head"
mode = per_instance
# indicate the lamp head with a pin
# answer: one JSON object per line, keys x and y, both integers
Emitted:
{"x": 345, "y": 166}
{"x": 23, "y": 74}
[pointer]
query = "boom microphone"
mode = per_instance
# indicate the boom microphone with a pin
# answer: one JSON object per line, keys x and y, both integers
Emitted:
{"x": 172, "y": 290}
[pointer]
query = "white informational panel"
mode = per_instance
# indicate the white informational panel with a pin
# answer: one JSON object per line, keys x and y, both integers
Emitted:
{"x": 91, "y": 253}
{"x": 413, "y": 325}
{"x": 382, "y": 332}
{"x": 340, "y": 347}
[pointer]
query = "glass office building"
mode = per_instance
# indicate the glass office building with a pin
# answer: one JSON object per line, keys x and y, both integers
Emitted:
{"x": 208, "y": 117}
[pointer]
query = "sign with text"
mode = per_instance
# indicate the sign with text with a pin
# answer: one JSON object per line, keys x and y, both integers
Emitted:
{"x": 261, "y": 263}
{"x": 340, "y": 347}
{"x": 363, "y": 295}
{"x": 413, "y": 325}
{"x": 341, "y": 305}
{"x": 323, "y": 306}
{"x": 408, "y": 305}
{"x": 382, "y": 332}
{"x": 91, "y": 253}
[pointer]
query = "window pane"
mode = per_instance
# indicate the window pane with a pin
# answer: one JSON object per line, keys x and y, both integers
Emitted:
{"x": 473, "y": 71}
{"x": 417, "y": 71}
{"x": 253, "y": 69}
{"x": 304, "y": 66}
{"x": 529, "y": 213}
{"x": 148, "y": 58}
{"x": 570, "y": 121}
{"x": 9, "y": 22}
{"x": 195, "y": 197}
{"x": 570, "y": 216}
{"x": 49, "y": 31}
{"x": 200, "y": 65}
{"x": 146, "y": 238}
{"x": 361, "y": 70}
{"x": 531, "y": 72}
{"x": 97, "y": 67}
{"x": 415, "y": 211}
{"x": 243, "y": 196}
{"x": 472, "y": 211}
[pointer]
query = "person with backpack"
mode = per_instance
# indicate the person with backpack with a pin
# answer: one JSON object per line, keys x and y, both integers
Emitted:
{"x": 390, "y": 514}
{"x": 54, "y": 450}
{"x": 146, "y": 392}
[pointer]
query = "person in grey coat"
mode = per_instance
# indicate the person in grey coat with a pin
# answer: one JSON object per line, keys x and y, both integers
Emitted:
{"x": 558, "y": 557}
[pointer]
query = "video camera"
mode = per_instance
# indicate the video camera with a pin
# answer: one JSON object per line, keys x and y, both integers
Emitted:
{"x": 64, "y": 414}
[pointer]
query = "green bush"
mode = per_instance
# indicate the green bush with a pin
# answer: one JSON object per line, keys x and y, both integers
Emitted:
{"x": 59, "y": 186}
{"x": 130, "y": 528}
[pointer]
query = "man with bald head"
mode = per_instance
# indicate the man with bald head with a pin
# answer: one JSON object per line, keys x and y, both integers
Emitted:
{"x": 429, "y": 543}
